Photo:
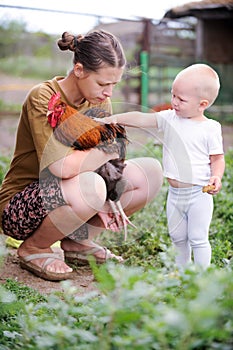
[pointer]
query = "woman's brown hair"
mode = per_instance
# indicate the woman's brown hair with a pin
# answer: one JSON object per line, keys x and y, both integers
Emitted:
{"x": 94, "y": 50}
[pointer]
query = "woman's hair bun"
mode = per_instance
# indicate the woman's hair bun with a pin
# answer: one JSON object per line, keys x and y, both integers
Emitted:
{"x": 69, "y": 41}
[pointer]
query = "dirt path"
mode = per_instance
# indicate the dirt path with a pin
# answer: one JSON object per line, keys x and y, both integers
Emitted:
{"x": 82, "y": 278}
{"x": 15, "y": 89}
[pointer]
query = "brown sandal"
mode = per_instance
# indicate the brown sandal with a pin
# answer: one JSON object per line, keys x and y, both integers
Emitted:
{"x": 82, "y": 258}
{"x": 25, "y": 263}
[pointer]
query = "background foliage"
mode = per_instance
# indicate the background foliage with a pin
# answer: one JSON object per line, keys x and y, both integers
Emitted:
{"x": 36, "y": 55}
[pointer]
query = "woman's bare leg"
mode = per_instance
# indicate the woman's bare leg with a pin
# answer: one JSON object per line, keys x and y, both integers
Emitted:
{"x": 40, "y": 242}
{"x": 64, "y": 220}
{"x": 87, "y": 197}
{"x": 144, "y": 180}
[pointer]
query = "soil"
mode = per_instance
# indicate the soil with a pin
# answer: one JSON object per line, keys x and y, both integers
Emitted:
{"x": 82, "y": 279}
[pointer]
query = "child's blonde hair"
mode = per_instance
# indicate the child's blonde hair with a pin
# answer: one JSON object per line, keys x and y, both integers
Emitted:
{"x": 205, "y": 80}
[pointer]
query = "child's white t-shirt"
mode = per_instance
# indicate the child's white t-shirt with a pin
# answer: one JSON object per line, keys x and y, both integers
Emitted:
{"x": 187, "y": 146}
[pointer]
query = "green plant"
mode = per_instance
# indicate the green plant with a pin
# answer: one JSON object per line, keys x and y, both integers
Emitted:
{"x": 33, "y": 67}
{"x": 13, "y": 298}
{"x": 147, "y": 303}
{"x": 136, "y": 309}
{"x": 4, "y": 165}
{"x": 222, "y": 224}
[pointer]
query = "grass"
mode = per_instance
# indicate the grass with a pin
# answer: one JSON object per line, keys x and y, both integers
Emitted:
{"x": 145, "y": 304}
{"x": 33, "y": 67}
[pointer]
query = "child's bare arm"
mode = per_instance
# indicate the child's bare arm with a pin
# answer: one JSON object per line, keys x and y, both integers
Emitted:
{"x": 135, "y": 119}
{"x": 217, "y": 164}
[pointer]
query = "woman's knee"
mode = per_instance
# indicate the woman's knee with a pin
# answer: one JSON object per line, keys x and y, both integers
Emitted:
{"x": 148, "y": 173}
{"x": 154, "y": 171}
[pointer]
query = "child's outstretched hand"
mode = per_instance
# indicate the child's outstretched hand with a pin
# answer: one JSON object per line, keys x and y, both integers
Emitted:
{"x": 106, "y": 120}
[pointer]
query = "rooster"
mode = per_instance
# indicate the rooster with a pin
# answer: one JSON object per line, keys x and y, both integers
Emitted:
{"x": 81, "y": 132}
{"x": 162, "y": 107}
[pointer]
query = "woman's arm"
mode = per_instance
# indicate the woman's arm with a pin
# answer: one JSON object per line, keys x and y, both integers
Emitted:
{"x": 135, "y": 119}
{"x": 80, "y": 161}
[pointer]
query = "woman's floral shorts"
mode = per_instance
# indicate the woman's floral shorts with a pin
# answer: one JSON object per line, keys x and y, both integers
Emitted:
{"x": 27, "y": 209}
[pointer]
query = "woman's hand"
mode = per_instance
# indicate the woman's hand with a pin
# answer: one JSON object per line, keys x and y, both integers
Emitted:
{"x": 112, "y": 221}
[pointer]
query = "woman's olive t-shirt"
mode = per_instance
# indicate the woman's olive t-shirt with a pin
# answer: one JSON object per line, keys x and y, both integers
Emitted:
{"x": 36, "y": 148}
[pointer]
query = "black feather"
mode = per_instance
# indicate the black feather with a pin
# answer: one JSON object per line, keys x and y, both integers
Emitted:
{"x": 113, "y": 141}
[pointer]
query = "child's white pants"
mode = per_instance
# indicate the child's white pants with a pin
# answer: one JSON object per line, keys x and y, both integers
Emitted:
{"x": 189, "y": 214}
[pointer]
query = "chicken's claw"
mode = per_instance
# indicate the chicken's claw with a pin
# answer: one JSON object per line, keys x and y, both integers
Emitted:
{"x": 120, "y": 217}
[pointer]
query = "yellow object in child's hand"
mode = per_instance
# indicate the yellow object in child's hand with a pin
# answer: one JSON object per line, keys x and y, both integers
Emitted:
{"x": 208, "y": 188}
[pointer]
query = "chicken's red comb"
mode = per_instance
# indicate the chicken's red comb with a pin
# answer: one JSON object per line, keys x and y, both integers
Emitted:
{"x": 53, "y": 100}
